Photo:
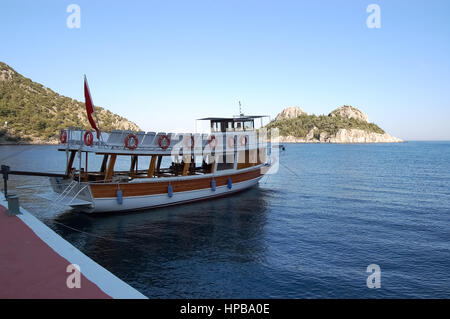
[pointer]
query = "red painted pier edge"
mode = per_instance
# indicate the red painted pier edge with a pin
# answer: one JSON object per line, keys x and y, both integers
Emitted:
{"x": 34, "y": 261}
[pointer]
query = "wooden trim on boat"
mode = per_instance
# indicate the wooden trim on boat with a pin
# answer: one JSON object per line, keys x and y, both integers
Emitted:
{"x": 70, "y": 162}
{"x": 187, "y": 163}
{"x": 213, "y": 165}
{"x": 110, "y": 170}
{"x": 158, "y": 164}
{"x": 151, "y": 169}
{"x": 161, "y": 187}
{"x": 104, "y": 162}
{"x": 133, "y": 163}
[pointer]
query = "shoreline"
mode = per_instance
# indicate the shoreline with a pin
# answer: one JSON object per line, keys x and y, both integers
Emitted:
{"x": 23, "y": 144}
{"x": 280, "y": 142}
{"x": 349, "y": 143}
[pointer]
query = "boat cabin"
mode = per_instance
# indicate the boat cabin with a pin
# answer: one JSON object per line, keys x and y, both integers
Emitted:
{"x": 233, "y": 144}
{"x": 233, "y": 124}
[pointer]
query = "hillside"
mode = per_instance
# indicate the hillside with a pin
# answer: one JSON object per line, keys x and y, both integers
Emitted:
{"x": 35, "y": 114}
{"x": 346, "y": 124}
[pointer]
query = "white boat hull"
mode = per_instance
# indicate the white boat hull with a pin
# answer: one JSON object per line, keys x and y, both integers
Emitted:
{"x": 151, "y": 201}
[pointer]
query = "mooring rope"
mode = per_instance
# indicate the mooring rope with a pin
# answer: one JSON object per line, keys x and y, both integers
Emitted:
{"x": 289, "y": 169}
{"x": 17, "y": 153}
{"x": 90, "y": 234}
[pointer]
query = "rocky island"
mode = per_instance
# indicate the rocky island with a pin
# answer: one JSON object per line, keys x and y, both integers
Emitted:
{"x": 345, "y": 124}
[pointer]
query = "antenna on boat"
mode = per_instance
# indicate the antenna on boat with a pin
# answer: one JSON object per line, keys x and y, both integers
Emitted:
{"x": 240, "y": 109}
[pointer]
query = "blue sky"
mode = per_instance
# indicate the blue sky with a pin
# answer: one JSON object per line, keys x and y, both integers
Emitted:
{"x": 164, "y": 63}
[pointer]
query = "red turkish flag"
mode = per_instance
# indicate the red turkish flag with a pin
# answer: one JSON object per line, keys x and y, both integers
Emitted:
{"x": 90, "y": 107}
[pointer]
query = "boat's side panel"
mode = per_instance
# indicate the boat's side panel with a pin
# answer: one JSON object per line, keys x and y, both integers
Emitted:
{"x": 157, "y": 200}
{"x": 161, "y": 187}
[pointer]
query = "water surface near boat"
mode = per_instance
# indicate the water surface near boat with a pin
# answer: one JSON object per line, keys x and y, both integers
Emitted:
{"x": 305, "y": 235}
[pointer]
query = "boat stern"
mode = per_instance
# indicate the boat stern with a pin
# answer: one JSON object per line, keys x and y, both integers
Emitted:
{"x": 68, "y": 192}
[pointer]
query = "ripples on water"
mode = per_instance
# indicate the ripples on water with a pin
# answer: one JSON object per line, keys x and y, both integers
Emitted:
{"x": 309, "y": 235}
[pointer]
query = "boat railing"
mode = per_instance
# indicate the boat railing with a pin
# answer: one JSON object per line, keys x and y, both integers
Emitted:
{"x": 162, "y": 143}
{"x": 62, "y": 196}
{"x": 78, "y": 193}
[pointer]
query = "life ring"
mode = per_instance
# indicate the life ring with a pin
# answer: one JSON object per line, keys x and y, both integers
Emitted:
{"x": 88, "y": 138}
{"x": 131, "y": 145}
{"x": 231, "y": 139}
{"x": 63, "y": 136}
{"x": 212, "y": 141}
{"x": 243, "y": 139}
{"x": 167, "y": 143}
{"x": 192, "y": 142}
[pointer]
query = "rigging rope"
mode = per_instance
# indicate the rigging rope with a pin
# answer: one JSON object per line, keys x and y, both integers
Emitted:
{"x": 90, "y": 234}
{"x": 289, "y": 169}
{"x": 17, "y": 153}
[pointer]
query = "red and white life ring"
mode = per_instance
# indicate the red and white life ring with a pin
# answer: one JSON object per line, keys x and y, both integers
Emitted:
{"x": 187, "y": 143}
{"x": 243, "y": 140}
{"x": 212, "y": 141}
{"x": 88, "y": 138}
{"x": 131, "y": 141}
{"x": 166, "y": 144}
{"x": 63, "y": 136}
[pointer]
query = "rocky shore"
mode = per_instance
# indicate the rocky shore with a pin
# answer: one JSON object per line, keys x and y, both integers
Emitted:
{"x": 345, "y": 136}
{"x": 319, "y": 130}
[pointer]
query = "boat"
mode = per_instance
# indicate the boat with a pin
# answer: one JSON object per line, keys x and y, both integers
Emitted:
{"x": 164, "y": 168}
{"x": 182, "y": 167}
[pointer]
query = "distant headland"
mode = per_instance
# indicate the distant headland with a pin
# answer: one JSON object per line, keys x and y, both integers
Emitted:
{"x": 346, "y": 124}
{"x": 31, "y": 113}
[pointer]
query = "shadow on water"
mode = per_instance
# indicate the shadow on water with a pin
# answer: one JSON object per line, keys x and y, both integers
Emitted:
{"x": 145, "y": 246}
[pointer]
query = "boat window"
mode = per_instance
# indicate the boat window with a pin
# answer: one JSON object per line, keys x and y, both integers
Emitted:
{"x": 238, "y": 126}
{"x": 223, "y": 126}
{"x": 248, "y": 125}
{"x": 215, "y": 126}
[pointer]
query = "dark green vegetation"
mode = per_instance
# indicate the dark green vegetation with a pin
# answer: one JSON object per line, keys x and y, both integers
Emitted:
{"x": 36, "y": 113}
{"x": 303, "y": 124}
{"x": 11, "y": 138}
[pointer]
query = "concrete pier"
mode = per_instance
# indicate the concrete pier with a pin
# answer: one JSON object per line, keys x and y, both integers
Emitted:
{"x": 35, "y": 262}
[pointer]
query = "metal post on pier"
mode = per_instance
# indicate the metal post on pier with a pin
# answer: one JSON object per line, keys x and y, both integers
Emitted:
{"x": 13, "y": 200}
{"x": 5, "y": 172}
{"x": 13, "y": 205}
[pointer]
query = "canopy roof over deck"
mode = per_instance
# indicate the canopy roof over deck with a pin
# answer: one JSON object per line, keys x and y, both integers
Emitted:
{"x": 234, "y": 118}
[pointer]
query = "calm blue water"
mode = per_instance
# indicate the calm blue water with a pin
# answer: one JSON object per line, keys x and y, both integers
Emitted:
{"x": 305, "y": 235}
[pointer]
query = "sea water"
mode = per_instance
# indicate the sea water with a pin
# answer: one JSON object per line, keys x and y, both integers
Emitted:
{"x": 308, "y": 231}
